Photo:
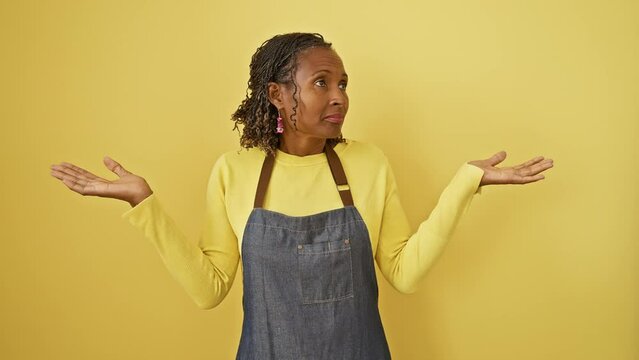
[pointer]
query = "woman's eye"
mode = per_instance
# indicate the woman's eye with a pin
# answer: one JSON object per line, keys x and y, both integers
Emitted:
{"x": 322, "y": 83}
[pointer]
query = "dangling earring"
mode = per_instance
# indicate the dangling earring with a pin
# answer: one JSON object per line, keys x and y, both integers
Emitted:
{"x": 280, "y": 124}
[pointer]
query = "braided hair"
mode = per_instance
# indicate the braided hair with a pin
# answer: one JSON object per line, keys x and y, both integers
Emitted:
{"x": 274, "y": 61}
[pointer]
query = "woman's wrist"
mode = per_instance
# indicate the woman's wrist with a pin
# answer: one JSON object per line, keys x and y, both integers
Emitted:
{"x": 139, "y": 198}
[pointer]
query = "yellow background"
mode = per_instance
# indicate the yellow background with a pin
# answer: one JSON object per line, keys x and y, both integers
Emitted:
{"x": 547, "y": 270}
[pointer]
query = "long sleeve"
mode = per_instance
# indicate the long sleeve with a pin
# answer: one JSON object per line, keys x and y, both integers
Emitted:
{"x": 404, "y": 257}
{"x": 206, "y": 270}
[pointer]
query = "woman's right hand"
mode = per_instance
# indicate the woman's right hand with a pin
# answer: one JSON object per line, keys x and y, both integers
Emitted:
{"x": 129, "y": 187}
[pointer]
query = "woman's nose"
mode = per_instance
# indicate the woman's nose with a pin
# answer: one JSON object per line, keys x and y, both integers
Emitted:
{"x": 338, "y": 97}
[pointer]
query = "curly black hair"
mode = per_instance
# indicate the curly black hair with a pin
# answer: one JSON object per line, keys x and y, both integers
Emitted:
{"x": 274, "y": 61}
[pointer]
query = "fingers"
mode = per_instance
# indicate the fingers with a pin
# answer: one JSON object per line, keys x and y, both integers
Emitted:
{"x": 497, "y": 158}
{"x": 76, "y": 184}
{"x": 83, "y": 173}
{"x": 75, "y": 171}
{"x": 537, "y": 168}
{"x": 529, "y": 179}
{"x": 532, "y": 172}
{"x": 68, "y": 177}
{"x": 529, "y": 162}
{"x": 114, "y": 166}
{"x": 74, "y": 177}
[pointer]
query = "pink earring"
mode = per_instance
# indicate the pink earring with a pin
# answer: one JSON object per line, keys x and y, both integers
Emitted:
{"x": 280, "y": 125}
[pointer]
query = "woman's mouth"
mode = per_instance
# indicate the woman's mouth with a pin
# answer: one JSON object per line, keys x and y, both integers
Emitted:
{"x": 335, "y": 118}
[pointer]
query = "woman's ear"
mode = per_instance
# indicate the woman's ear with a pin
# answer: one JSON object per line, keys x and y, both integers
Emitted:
{"x": 275, "y": 95}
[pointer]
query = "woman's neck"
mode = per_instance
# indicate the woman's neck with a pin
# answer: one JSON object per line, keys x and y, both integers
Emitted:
{"x": 302, "y": 146}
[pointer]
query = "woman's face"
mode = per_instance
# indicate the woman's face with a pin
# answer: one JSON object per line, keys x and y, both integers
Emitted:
{"x": 321, "y": 92}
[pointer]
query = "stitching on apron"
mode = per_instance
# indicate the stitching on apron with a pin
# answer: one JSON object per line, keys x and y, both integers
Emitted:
{"x": 306, "y": 230}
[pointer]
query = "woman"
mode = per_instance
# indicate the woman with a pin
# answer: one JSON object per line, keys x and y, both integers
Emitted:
{"x": 307, "y": 210}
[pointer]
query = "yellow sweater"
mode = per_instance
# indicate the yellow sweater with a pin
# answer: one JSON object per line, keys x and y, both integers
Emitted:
{"x": 303, "y": 185}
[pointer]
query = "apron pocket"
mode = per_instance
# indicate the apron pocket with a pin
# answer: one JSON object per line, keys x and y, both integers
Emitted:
{"x": 326, "y": 271}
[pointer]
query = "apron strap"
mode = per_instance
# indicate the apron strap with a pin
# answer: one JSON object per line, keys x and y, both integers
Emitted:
{"x": 337, "y": 170}
{"x": 265, "y": 176}
{"x": 339, "y": 176}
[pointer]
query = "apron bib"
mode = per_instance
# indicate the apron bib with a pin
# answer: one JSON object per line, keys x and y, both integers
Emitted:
{"x": 310, "y": 290}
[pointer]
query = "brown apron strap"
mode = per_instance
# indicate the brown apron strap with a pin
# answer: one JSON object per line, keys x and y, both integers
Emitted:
{"x": 333, "y": 162}
{"x": 265, "y": 176}
{"x": 339, "y": 176}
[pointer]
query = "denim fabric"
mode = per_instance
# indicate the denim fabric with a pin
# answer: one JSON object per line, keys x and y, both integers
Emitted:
{"x": 310, "y": 290}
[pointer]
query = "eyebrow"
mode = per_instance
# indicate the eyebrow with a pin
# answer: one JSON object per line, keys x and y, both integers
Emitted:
{"x": 326, "y": 71}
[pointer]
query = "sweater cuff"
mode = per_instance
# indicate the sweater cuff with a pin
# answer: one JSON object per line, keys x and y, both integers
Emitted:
{"x": 143, "y": 210}
{"x": 473, "y": 175}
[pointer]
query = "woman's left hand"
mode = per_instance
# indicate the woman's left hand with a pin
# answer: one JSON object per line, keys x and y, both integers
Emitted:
{"x": 524, "y": 173}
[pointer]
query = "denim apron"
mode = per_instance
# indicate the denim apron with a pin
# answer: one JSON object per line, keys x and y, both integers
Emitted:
{"x": 310, "y": 290}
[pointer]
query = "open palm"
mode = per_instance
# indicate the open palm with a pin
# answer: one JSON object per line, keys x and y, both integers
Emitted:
{"x": 128, "y": 187}
{"x": 527, "y": 172}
